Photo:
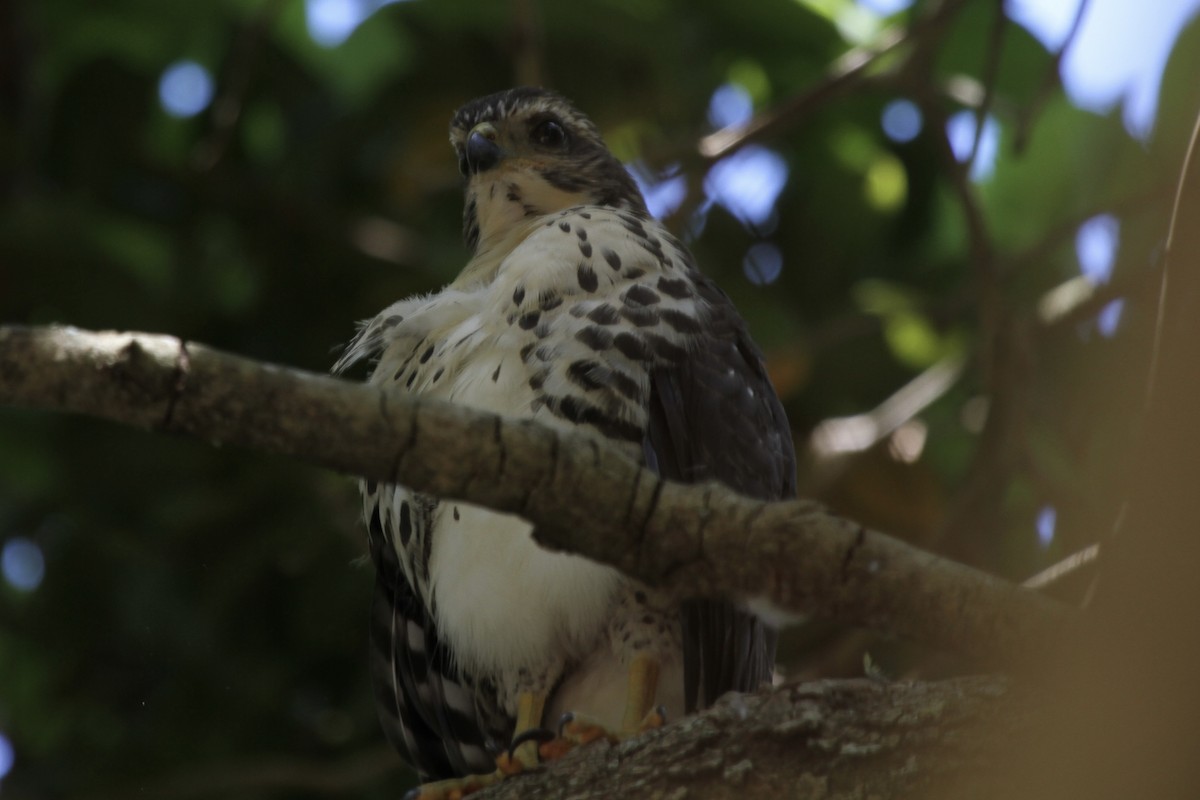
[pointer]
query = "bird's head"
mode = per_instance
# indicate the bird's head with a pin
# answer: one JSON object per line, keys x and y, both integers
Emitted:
{"x": 528, "y": 152}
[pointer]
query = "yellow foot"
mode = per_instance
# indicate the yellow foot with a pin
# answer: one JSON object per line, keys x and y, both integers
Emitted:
{"x": 522, "y": 755}
{"x": 456, "y": 788}
{"x": 576, "y": 730}
{"x": 655, "y": 718}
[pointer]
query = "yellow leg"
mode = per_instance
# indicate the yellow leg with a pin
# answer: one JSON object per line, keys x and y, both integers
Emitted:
{"x": 530, "y": 707}
{"x": 640, "y": 713}
{"x": 643, "y": 689}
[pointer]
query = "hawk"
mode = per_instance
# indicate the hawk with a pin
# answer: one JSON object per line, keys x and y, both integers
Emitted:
{"x": 577, "y": 309}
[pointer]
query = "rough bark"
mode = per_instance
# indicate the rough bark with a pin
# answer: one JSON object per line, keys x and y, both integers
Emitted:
{"x": 786, "y": 558}
{"x": 824, "y": 740}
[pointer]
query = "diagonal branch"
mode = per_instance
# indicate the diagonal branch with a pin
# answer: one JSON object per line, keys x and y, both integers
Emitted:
{"x": 848, "y": 72}
{"x": 785, "y": 559}
{"x": 1051, "y": 82}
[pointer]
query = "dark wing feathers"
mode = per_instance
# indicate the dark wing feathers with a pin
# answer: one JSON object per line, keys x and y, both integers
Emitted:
{"x": 413, "y": 676}
{"x": 715, "y": 416}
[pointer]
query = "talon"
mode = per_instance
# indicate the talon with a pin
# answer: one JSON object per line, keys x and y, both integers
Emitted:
{"x": 565, "y": 720}
{"x": 539, "y": 735}
{"x": 583, "y": 730}
{"x": 655, "y": 719}
{"x": 555, "y": 749}
{"x": 509, "y": 764}
{"x": 455, "y": 788}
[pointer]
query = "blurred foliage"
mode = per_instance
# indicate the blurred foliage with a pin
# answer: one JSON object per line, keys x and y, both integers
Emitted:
{"x": 204, "y": 611}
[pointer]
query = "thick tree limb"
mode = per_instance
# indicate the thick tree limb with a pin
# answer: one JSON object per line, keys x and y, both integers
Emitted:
{"x": 823, "y": 740}
{"x": 789, "y": 558}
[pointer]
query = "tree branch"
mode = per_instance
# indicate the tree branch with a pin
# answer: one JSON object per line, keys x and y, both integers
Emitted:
{"x": 822, "y": 740}
{"x": 848, "y": 72}
{"x": 829, "y": 739}
{"x": 1051, "y": 82}
{"x": 784, "y": 559}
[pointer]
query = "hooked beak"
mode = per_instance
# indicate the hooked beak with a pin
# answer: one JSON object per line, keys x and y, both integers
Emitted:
{"x": 482, "y": 151}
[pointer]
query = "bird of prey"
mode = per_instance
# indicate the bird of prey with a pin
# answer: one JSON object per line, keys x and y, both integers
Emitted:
{"x": 577, "y": 309}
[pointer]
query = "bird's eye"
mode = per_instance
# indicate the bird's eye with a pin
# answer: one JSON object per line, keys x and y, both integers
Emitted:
{"x": 549, "y": 133}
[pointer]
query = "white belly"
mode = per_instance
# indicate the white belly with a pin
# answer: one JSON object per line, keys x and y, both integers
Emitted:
{"x": 501, "y": 602}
